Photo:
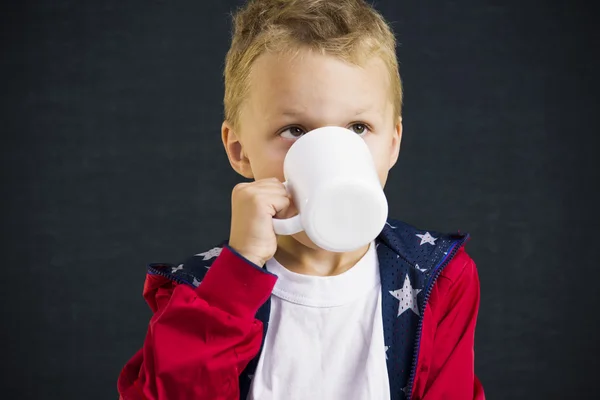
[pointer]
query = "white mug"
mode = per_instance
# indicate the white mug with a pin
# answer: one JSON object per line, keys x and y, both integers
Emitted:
{"x": 331, "y": 176}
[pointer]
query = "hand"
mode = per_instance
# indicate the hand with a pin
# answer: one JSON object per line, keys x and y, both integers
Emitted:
{"x": 253, "y": 206}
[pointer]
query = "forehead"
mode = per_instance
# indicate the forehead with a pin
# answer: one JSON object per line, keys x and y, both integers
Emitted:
{"x": 307, "y": 81}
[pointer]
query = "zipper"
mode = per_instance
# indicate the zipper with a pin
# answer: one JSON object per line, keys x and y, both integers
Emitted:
{"x": 440, "y": 267}
{"x": 171, "y": 277}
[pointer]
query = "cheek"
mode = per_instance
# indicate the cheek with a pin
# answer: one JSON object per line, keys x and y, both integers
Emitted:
{"x": 267, "y": 160}
{"x": 380, "y": 150}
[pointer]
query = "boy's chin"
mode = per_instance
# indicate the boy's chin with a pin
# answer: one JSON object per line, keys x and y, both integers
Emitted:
{"x": 303, "y": 239}
{"x": 300, "y": 238}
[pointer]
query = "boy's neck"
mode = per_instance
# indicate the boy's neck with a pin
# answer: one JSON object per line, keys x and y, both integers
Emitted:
{"x": 305, "y": 260}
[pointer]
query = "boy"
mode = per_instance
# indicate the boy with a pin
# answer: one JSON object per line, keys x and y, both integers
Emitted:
{"x": 275, "y": 317}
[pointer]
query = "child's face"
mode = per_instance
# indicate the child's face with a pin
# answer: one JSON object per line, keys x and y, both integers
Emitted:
{"x": 290, "y": 96}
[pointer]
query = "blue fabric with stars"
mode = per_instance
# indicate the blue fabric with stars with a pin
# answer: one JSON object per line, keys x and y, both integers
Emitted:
{"x": 410, "y": 260}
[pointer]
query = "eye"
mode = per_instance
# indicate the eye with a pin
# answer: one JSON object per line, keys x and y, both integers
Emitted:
{"x": 359, "y": 129}
{"x": 293, "y": 132}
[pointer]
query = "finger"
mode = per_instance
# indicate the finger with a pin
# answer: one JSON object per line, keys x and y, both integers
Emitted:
{"x": 278, "y": 204}
{"x": 259, "y": 189}
{"x": 269, "y": 187}
{"x": 268, "y": 182}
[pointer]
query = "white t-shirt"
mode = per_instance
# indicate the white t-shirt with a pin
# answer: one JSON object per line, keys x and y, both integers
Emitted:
{"x": 325, "y": 337}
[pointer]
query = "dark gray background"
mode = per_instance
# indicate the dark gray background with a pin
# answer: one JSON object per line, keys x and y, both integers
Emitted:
{"x": 111, "y": 159}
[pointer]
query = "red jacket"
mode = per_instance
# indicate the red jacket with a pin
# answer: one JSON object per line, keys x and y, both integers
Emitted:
{"x": 200, "y": 339}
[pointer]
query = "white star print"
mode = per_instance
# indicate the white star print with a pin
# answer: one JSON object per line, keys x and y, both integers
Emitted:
{"x": 405, "y": 390}
{"x": 407, "y": 297}
{"x": 386, "y": 349}
{"x": 196, "y": 282}
{"x": 427, "y": 238}
{"x": 175, "y": 269}
{"x": 212, "y": 253}
{"x": 388, "y": 224}
{"x": 420, "y": 269}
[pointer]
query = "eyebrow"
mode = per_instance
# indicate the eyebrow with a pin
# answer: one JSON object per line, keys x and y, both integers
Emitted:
{"x": 295, "y": 112}
{"x": 291, "y": 113}
{"x": 363, "y": 110}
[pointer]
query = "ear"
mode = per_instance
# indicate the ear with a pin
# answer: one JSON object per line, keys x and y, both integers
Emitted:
{"x": 396, "y": 140}
{"x": 235, "y": 151}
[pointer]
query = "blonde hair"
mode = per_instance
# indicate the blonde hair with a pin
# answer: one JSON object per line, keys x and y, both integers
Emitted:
{"x": 351, "y": 30}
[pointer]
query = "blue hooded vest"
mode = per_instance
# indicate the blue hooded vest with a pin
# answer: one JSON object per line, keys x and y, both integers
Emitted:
{"x": 410, "y": 260}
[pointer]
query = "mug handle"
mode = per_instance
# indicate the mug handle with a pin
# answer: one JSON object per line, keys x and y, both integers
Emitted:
{"x": 287, "y": 226}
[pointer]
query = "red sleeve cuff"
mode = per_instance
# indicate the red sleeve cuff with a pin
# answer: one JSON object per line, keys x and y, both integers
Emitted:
{"x": 235, "y": 285}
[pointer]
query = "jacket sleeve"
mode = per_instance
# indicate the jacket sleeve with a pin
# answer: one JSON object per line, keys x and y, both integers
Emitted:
{"x": 449, "y": 373}
{"x": 200, "y": 339}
